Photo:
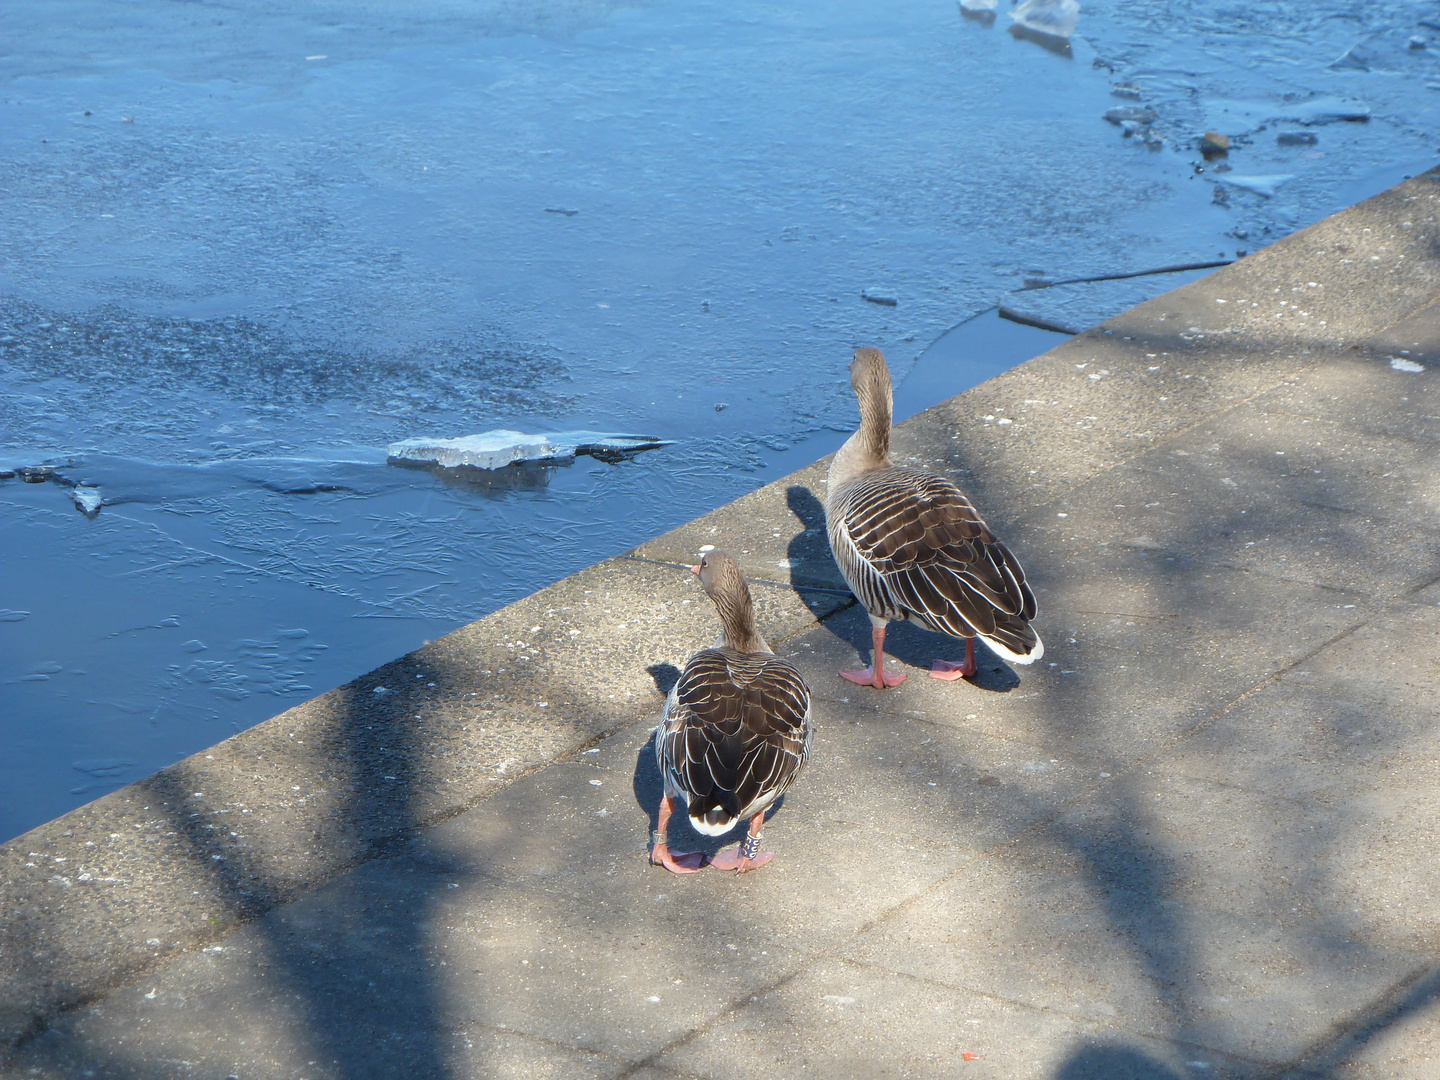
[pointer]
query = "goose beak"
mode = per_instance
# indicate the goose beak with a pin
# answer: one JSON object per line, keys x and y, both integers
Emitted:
{"x": 695, "y": 570}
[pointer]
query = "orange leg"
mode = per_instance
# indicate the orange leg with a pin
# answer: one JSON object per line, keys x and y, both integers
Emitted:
{"x": 949, "y": 670}
{"x": 748, "y": 855}
{"x": 690, "y": 862}
{"x": 875, "y": 675}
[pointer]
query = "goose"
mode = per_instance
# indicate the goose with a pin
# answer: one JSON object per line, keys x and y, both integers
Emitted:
{"x": 911, "y": 546}
{"x": 735, "y": 732}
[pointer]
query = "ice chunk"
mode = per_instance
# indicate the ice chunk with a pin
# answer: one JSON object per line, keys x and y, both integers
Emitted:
{"x": 1359, "y": 57}
{"x": 981, "y": 11}
{"x": 87, "y": 499}
{"x": 496, "y": 449}
{"x": 1401, "y": 364}
{"x": 1261, "y": 185}
{"x": 1056, "y": 18}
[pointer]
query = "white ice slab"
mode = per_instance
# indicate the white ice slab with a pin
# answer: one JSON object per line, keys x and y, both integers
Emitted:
{"x": 1054, "y": 17}
{"x": 496, "y": 449}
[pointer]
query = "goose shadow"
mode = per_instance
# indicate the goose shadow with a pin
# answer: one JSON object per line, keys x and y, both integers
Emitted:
{"x": 649, "y": 788}
{"x": 812, "y": 567}
{"x": 917, "y": 647}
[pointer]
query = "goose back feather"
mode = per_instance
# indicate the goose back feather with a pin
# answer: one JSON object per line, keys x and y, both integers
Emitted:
{"x": 912, "y": 546}
{"x": 734, "y": 735}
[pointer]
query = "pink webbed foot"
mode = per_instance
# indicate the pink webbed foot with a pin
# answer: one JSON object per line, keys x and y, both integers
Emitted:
{"x": 731, "y": 859}
{"x": 687, "y": 862}
{"x": 950, "y": 670}
{"x": 748, "y": 855}
{"x": 884, "y": 680}
{"x": 875, "y": 675}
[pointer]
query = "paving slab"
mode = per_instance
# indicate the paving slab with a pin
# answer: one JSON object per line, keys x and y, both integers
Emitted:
{"x": 870, "y": 1022}
{"x": 1363, "y": 387}
{"x": 1196, "y": 839}
{"x": 1052, "y": 929}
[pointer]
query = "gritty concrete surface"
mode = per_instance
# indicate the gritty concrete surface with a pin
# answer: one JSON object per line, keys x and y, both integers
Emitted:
{"x": 1196, "y": 840}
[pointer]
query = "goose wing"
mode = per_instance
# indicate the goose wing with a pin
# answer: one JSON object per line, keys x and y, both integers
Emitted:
{"x": 938, "y": 560}
{"x": 736, "y": 732}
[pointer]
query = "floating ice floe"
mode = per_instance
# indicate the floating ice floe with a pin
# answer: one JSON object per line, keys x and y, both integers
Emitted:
{"x": 1261, "y": 185}
{"x": 87, "y": 499}
{"x": 980, "y": 10}
{"x": 1401, "y": 364}
{"x": 496, "y": 449}
{"x": 1056, "y": 18}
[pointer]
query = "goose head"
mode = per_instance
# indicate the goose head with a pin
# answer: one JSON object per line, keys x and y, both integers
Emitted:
{"x": 723, "y": 582}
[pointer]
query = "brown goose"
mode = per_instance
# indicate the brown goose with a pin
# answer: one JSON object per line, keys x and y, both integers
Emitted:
{"x": 735, "y": 732}
{"x": 912, "y": 547}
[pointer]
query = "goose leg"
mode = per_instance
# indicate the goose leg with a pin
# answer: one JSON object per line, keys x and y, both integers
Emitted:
{"x": 690, "y": 862}
{"x": 748, "y": 855}
{"x": 875, "y": 675}
{"x": 949, "y": 670}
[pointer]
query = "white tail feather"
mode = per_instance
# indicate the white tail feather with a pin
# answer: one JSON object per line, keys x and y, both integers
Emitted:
{"x": 704, "y": 828}
{"x": 1013, "y": 657}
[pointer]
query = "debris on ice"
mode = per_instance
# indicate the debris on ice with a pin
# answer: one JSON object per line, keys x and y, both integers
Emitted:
{"x": 1130, "y": 114}
{"x": 496, "y": 449}
{"x": 1322, "y": 110}
{"x": 1214, "y": 144}
{"x": 1056, "y": 18}
{"x": 982, "y": 11}
{"x": 103, "y": 767}
{"x": 1359, "y": 57}
{"x": 1260, "y": 185}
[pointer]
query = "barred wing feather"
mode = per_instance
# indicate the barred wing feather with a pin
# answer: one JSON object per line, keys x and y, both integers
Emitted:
{"x": 921, "y": 550}
{"x": 735, "y": 733}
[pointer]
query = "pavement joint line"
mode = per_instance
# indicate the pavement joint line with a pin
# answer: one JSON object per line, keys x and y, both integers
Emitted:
{"x": 793, "y": 586}
{"x": 1268, "y": 680}
{"x": 1325, "y": 1055}
{"x": 733, "y": 1007}
{"x": 1419, "y": 589}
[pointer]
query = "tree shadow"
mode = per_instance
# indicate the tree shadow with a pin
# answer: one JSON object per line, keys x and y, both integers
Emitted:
{"x": 1113, "y": 1061}
{"x": 350, "y": 959}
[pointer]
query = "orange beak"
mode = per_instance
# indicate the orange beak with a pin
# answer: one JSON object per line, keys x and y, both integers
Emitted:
{"x": 695, "y": 570}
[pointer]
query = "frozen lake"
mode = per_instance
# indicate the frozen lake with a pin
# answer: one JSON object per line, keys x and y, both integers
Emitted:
{"x": 243, "y": 248}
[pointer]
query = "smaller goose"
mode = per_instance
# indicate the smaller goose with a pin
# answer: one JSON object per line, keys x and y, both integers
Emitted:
{"x": 911, "y": 546}
{"x": 735, "y": 732}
